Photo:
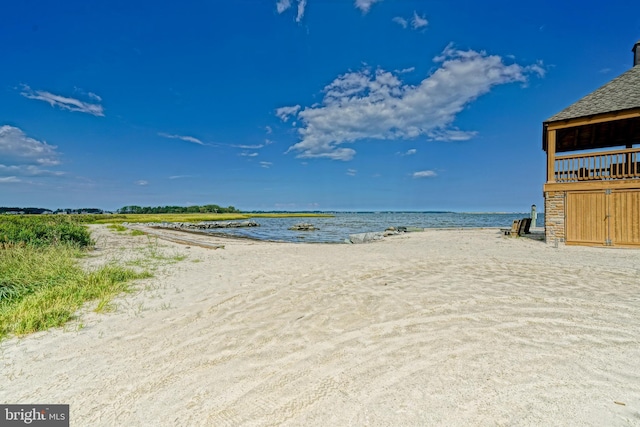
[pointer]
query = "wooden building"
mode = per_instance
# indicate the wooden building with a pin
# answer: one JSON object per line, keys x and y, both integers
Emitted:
{"x": 592, "y": 192}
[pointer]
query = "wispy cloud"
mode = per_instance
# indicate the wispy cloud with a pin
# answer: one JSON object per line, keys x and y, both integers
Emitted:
{"x": 247, "y": 154}
{"x": 266, "y": 165}
{"x": 301, "y": 6}
{"x": 352, "y": 172}
{"x": 249, "y": 147}
{"x": 142, "y": 182}
{"x": 182, "y": 137}
{"x": 424, "y": 174}
{"x": 282, "y": 5}
{"x": 400, "y": 21}
{"x": 180, "y": 176}
{"x": 28, "y": 170}
{"x": 411, "y": 152}
{"x": 378, "y": 105}
{"x": 284, "y": 113}
{"x": 9, "y": 179}
{"x": 365, "y": 5}
{"x": 405, "y": 70}
{"x": 268, "y": 129}
{"x": 63, "y": 102}
{"x": 418, "y": 21}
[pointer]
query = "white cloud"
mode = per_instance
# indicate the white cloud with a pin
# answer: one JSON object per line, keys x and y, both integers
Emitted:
{"x": 400, "y": 21}
{"x": 9, "y": 180}
{"x": 63, "y": 102}
{"x": 405, "y": 70}
{"x": 94, "y": 96}
{"x": 284, "y": 113}
{"x": 180, "y": 176}
{"x": 266, "y": 165}
{"x": 181, "y": 137}
{"x": 411, "y": 152}
{"x": 377, "y": 105}
{"x": 352, "y": 172}
{"x": 18, "y": 148}
{"x": 27, "y": 170}
{"x": 142, "y": 182}
{"x": 248, "y": 147}
{"x": 246, "y": 154}
{"x": 301, "y": 6}
{"x": 424, "y": 174}
{"x": 418, "y": 21}
{"x": 268, "y": 129}
{"x": 268, "y": 141}
{"x": 365, "y": 5}
{"x": 283, "y": 5}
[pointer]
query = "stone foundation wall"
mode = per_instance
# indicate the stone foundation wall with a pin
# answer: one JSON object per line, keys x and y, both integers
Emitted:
{"x": 554, "y": 203}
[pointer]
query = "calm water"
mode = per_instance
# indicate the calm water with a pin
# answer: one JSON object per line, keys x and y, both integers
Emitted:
{"x": 338, "y": 228}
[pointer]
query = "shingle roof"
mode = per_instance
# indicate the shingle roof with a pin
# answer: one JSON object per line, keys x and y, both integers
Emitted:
{"x": 621, "y": 93}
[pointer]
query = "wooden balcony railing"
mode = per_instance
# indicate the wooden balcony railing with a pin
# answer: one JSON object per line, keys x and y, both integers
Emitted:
{"x": 607, "y": 165}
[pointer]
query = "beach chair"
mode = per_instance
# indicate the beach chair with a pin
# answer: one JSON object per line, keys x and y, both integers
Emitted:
{"x": 515, "y": 227}
{"x": 518, "y": 228}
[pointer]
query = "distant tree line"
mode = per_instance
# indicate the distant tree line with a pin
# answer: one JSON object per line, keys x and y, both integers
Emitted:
{"x": 176, "y": 209}
{"x": 40, "y": 211}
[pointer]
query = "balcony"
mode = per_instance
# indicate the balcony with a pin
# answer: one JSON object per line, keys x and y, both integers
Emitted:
{"x": 601, "y": 166}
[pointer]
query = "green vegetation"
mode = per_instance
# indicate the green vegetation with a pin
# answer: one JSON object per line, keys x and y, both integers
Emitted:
{"x": 152, "y": 257}
{"x": 41, "y": 283}
{"x": 117, "y": 228}
{"x": 188, "y": 217}
{"x": 176, "y": 209}
{"x": 43, "y": 230}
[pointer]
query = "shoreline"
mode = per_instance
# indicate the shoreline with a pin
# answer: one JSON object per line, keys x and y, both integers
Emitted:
{"x": 441, "y": 327}
{"x": 159, "y": 231}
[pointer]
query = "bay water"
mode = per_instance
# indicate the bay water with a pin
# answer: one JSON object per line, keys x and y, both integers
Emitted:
{"x": 337, "y": 228}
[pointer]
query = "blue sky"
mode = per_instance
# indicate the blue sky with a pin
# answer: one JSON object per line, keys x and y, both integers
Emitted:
{"x": 294, "y": 105}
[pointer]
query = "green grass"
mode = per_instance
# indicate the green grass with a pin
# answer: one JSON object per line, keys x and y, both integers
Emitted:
{"x": 117, "y": 228}
{"x": 152, "y": 257}
{"x": 43, "y": 230}
{"x": 42, "y": 287}
{"x": 42, "y": 284}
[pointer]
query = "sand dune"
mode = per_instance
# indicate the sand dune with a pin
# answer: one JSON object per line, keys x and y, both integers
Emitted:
{"x": 445, "y": 327}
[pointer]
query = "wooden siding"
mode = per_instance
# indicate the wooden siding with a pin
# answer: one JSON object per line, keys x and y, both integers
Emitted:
{"x": 603, "y": 218}
{"x": 625, "y": 213}
{"x": 586, "y": 218}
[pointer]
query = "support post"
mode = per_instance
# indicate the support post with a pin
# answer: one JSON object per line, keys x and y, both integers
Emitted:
{"x": 551, "y": 156}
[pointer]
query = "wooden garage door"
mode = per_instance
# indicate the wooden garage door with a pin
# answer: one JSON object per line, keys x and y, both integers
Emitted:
{"x": 586, "y": 219}
{"x": 625, "y": 214}
{"x": 603, "y": 218}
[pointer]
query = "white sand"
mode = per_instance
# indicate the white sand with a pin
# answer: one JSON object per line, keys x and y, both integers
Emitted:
{"x": 435, "y": 328}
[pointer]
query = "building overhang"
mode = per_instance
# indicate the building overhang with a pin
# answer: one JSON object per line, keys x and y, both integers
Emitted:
{"x": 619, "y": 128}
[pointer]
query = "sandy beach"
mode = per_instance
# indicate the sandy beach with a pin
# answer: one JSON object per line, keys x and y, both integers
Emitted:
{"x": 442, "y": 327}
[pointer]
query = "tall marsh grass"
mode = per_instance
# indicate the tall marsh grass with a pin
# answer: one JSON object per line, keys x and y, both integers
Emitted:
{"x": 42, "y": 284}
